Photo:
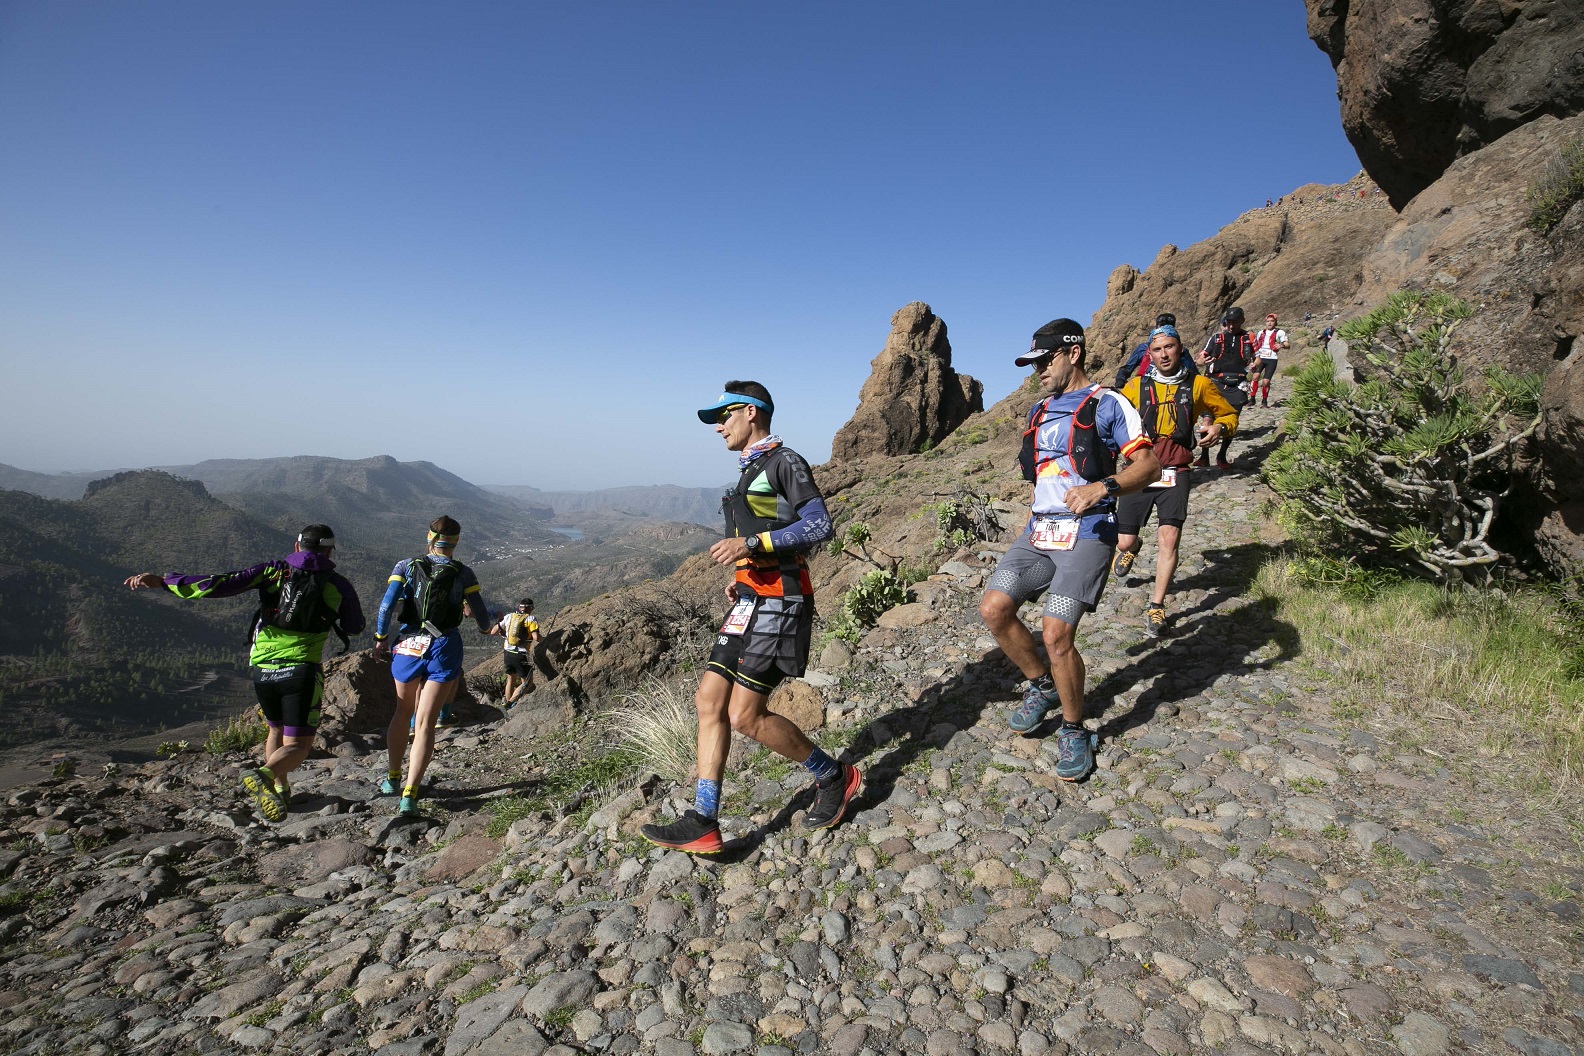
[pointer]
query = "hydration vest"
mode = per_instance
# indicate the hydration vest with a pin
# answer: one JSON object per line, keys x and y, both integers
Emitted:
{"x": 1183, "y": 428}
{"x": 1090, "y": 456}
{"x": 428, "y": 600}
{"x": 297, "y": 603}
{"x": 741, "y": 520}
{"x": 782, "y": 573}
{"x": 1229, "y": 362}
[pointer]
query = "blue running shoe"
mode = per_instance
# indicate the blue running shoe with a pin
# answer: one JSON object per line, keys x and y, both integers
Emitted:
{"x": 1074, "y": 753}
{"x": 409, "y": 807}
{"x": 388, "y": 787}
{"x": 1026, "y": 717}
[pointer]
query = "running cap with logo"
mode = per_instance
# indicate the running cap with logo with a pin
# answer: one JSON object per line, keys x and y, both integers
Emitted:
{"x": 316, "y": 537}
{"x": 1233, "y": 315}
{"x": 1056, "y": 335}
{"x": 711, "y": 414}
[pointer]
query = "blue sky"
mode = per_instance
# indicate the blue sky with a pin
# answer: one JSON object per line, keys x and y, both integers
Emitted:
{"x": 524, "y": 241}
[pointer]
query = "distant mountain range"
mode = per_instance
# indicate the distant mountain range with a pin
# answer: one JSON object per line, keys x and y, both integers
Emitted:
{"x": 373, "y": 503}
{"x": 663, "y": 502}
{"x": 276, "y": 487}
{"x": 82, "y": 655}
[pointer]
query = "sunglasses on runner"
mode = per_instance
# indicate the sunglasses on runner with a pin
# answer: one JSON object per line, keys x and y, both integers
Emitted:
{"x": 728, "y": 412}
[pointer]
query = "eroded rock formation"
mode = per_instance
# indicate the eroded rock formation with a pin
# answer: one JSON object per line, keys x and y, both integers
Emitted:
{"x": 913, "y": 397}
{"x": 1423, "y": 82}
{"x": 1302, "y": 255}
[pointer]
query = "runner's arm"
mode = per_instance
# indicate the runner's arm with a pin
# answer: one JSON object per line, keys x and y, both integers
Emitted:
{"x": 473, "y": 602}
{"x": 812, "y": 528}
{"x": 389, "y": 604}
{"x": 1207, "y": 399}
{"x": 217, "y": 584}
{"x": 350, "y": 613}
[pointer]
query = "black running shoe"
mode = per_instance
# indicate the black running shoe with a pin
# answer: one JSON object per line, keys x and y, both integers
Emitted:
{"x": 830, "y": 801}
{"x": 692, "y": 832}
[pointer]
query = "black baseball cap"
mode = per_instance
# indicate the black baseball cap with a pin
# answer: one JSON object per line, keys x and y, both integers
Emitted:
{"x": 1056, "y": 335}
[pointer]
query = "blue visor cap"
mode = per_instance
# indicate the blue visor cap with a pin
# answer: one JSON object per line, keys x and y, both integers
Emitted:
{"x": 711, "y": 414}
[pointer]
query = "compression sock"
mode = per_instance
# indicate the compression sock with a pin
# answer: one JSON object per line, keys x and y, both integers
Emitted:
{"x": 706, "y": 798}
{"x": 410, "y": 792}
{"x": 823, "y": 767}
{"x": 394, "y": 775}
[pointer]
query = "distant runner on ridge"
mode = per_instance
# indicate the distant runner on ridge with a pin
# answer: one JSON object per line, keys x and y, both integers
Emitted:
{"x": 521, "y": 632}
{"x": 427, "y": 596}
{"x": 301, "y": 600}
{"x": 1269, "y": 344}
{"x": 774, "y": 515}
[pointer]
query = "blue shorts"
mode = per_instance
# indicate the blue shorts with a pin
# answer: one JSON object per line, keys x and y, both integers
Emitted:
{"x": 441, "y": 662}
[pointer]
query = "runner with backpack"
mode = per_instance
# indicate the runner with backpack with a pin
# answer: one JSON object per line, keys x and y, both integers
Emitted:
{"x": 1224, "y": 359}
{"x": 521, "y": 632}
{"x": 1138, "y": 362}
{"x": 1269, "y": 344}
{"x": 426, "y": 597}
{"x": 1070, "y": 450}
{"x": 302, "y": 600}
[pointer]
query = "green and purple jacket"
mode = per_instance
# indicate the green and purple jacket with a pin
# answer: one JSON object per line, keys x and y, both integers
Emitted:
{"x": 272, "y": 646}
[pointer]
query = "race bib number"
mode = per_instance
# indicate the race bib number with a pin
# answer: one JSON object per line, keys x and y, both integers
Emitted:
{"x": 417, "y": 645}
{"x": 1267, "y": 353}
{"x": 1168, "y": 479}
{"x": 737, "y": 619}
{"x": 1054, "y": 534}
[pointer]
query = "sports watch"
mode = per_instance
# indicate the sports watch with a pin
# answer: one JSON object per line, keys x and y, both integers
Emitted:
{"x": 753, "y": 543}
{"x": 1111, "y": 486}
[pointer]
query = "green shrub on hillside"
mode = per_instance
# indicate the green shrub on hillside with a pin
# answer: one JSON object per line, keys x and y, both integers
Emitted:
{"x": 1409, "y": 469}
{"x": 1558, "y": 188}
{"x": 879, "y": 589}
{"x": 237, "y": 735}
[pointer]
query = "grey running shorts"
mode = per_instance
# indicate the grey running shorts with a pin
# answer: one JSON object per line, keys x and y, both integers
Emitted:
{"x": 1170, "y": 505}
{"x": 1078, "y": 574}
{"x": 773, "y": 646}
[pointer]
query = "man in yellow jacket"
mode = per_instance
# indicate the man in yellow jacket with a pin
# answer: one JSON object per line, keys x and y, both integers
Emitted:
{"x": 1171, "y": 402}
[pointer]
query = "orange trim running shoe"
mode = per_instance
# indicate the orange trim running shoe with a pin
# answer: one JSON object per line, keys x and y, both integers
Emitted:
{"x": 830, "y": 801}
{"x": 692, "y": 832}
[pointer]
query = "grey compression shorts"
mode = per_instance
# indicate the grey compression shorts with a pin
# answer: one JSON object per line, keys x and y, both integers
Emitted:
{"x": 1073, "y": 579}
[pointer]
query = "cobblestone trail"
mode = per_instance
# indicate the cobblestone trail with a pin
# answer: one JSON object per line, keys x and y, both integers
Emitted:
{"x": 1251, "y": 870}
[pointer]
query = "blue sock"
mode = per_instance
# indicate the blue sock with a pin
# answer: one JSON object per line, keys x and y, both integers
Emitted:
{"x": 706, "y": 797}
{"x": 822, "y": 766}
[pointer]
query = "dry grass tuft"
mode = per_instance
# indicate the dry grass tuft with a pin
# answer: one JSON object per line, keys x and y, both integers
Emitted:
{"x": 1502, "y": 664}
{"x": 657, "y": 726}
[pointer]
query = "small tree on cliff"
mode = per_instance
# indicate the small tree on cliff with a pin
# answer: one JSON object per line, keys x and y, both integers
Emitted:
{"x": 1409, "y": 468}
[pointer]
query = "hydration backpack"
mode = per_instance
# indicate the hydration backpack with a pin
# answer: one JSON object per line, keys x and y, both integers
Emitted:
{"x": 429, "y": 601}
{"x": 1183, "y": 428}
{"x": 517, "y": 629}
{"x": 1089, "y": 455}
{"x": 297, "y": 604}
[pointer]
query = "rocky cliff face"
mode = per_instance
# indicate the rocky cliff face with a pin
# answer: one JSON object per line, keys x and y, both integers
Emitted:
{"x": 1303, "y": 255}
{"x": 1456, "y": 108}
{"x": 913, "y": 397}
{"x": 1423, "y": 82}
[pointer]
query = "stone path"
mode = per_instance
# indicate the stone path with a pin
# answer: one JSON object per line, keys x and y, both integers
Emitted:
{"x": 1247, "y": 872}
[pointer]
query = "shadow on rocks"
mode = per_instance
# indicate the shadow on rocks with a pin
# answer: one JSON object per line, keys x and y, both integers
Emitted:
{"x": 1224, "y": 641}
{"x": 887, "y": 744}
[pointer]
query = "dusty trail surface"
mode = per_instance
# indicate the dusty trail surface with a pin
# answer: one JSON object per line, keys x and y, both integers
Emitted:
{"x": 1251, "y": 870}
